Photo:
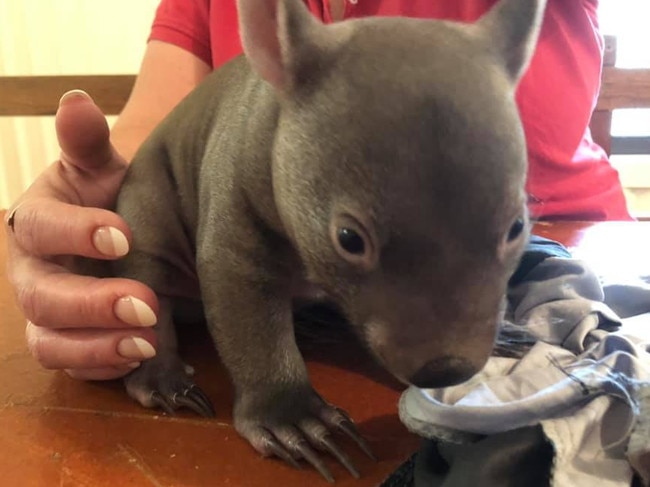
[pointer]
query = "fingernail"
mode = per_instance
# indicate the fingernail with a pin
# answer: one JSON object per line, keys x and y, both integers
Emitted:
{"x": 134, "y": 312}
{"x": 135, "y": 348}
{"x": 110, "y": 241}
{"x": 74, "y": 95}
{"x": 133, "y": 365}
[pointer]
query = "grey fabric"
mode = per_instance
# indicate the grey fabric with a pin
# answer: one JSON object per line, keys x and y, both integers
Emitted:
{"x": 585, "y": 380}
{"x": 516, "y": 458}
{"x": 537, "y": 250}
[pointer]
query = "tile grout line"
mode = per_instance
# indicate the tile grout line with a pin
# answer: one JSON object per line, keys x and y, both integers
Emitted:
{"x": 94, "y": 412}
{"x": 133, "y": 458}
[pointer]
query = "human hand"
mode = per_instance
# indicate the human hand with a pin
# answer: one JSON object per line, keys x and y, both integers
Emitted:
{"x": 92, "y": 328}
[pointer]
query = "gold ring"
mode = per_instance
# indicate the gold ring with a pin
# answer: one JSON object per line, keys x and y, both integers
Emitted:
{"x": 12, "y": 218}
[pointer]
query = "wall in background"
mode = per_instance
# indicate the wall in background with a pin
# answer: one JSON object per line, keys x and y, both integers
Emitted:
{"x": 45, "y": 37}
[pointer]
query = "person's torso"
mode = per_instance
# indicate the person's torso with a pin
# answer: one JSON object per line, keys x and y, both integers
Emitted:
{"x": 569, "y": 176}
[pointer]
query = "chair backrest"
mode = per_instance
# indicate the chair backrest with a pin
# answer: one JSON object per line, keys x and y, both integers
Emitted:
{"x": 39, "y": 95}
{"x": 620, "y": 88}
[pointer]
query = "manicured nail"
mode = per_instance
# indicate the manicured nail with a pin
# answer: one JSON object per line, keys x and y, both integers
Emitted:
{"x": 134, "y": 312}
{"x": 135, "y": 348}
{"x": 74, "y": 95}
{"x": 110, "y": 241}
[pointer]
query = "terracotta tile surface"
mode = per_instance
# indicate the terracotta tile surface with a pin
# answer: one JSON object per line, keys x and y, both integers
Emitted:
{"x": 55, "y": 431}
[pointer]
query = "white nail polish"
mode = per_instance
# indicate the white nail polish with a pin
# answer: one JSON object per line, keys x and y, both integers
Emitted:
{"x": 69, "y": 95}
{"x": 135, "y": 348}
{"x": 110, "y": 241}
{"x": 134, "y": 311}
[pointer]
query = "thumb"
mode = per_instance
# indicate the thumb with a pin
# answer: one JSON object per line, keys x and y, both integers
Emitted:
{"x": 82, "y": 131}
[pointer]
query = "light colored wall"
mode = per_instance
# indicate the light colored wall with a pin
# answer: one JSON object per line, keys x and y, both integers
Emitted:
{"x": 47, "y": 37}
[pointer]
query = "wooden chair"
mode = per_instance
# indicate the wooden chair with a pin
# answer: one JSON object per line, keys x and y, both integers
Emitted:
{"x": 38, "y": 95}
{"x": 620, "y": 88}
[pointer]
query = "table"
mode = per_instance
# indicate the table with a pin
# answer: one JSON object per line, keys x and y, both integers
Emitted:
{"x": 55, "y": 431}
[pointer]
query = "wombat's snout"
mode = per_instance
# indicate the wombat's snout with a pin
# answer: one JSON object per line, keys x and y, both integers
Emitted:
{"x": 443, "y": 372}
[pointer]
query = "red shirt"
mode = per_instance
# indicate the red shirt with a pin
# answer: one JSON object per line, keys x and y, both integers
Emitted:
{"x": 569, "y": 176}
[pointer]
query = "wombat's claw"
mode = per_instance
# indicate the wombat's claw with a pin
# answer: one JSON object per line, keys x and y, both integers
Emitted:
{"x": 196, "y": 400}
{"x": 164, "y": 383}
{"x": 340, "y": 455}
{"x": 158, "y": 400}
{"x": 312, "y": 457}
{"x": 279, "y": 451}
{"x": 192, "y": 398}
{"x": 347, "y": 427}
{"x": 302, "y": 450}
{"x": 295, "y": 426}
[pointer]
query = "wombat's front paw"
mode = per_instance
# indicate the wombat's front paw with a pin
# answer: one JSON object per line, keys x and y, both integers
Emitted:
{"x": 165, "y": 383}
{"x": 293, "y": 425}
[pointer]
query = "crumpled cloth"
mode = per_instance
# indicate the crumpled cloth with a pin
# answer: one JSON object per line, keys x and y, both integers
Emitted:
{"x": 584, "y": 377}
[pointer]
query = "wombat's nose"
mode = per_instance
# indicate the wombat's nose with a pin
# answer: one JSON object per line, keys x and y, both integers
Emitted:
{"x": 443, "y": 372}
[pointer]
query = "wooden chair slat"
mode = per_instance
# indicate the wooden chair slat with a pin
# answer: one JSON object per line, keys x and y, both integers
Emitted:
{"x": 624, "y": 88}
{"x": 39, "y": 95}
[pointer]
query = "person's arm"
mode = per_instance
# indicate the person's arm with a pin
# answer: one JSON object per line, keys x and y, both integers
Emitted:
{"x": 167, "y": 74}
{"x": 92, "y": 328}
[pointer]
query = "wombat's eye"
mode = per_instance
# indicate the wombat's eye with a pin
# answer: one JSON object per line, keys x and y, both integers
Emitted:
{"x": 354, "y": 240}
{"x": 516, "y": 229}
{"x": 351, "y": 241}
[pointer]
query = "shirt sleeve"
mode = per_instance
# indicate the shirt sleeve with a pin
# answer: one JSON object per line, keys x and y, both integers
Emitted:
{"x": 184, "y": 23}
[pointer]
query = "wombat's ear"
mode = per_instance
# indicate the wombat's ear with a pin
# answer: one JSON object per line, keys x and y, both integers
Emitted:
{"x": 512, "y": 28}
{"x": 277, "y": 36}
